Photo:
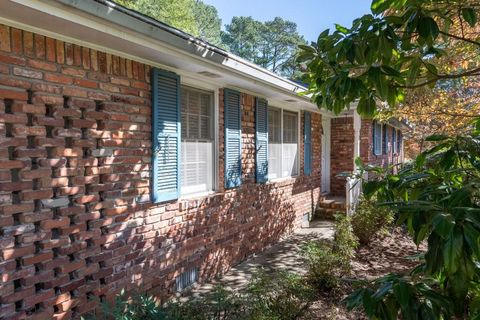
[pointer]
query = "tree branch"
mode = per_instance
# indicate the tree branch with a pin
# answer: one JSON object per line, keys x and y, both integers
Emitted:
{"x": 469, "y": 73}
{"x": 460, "y": 38}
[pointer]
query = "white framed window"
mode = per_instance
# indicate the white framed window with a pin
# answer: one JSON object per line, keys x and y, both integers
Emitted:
{"x": 282, "y": 143}
{"x": 377, "y": 138}
{"x": 198, "y": 141}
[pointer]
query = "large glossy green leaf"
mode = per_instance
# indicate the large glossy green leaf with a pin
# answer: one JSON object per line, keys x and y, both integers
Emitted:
{"x": 472, "y": 238}
{"x": 470, "y": 16}
{"x": 341, "y": 28}
{"x": 413, "y": 71}
{"x": 403, "y": 293}
{"x": 452, "y": 252}
{"x": 436, "y": 137}
{"x": 379, "y": 6}
{"x": 443, "y": 224}
{"x": 366, "y": 106}
{"x": 427, "y": 28}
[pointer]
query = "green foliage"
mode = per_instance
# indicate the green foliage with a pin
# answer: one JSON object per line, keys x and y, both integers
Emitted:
{"x": 370, "y": 220}
{"x": 325, "y": 265}
{"x": 438, "y": 198}
{"x": 220, "y": 304}
{"x": 271, "y": 44}
{"x": 242, "y": 37}
{"x": 327, "y": 262}
{"x": 393, "y": 296}
{"x": 345, "y": 241}
{"x": 125, "y": 307}
{"x": 208, "y": 23}
{"x": 192, "y": 16}
{"x": 385, "y": 53}
{"x": 279, "y": 296}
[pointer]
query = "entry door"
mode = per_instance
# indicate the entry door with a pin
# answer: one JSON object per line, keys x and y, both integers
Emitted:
{"x": 326, "y": 155}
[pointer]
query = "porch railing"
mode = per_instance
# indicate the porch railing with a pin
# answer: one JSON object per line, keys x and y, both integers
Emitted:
{"x": 353, "y": 192}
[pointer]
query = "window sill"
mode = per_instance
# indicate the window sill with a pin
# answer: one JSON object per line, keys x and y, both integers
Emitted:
{"x": 198, "y": 196}
{"x": 282, "y": 179}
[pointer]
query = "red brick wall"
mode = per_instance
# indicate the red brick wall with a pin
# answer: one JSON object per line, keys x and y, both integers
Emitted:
{"x": 366, "y": 146}
{"x": 75, "y": 216}
{"x": 341, "y": 158}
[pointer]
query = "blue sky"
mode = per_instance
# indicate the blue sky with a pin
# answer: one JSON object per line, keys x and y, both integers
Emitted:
{"x": 311, "y": 16}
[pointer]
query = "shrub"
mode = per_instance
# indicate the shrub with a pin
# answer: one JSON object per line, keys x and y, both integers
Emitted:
{"x": 370, "y": 220}
{"x": 281, "y": 295}
{"x": 128, "y": 307}
{"x": 436, "y": 197}
{"x": 220, "y": 304}
{"x": 399, "y": 297}
{"x": 345, "y": 240}
{"x": 325, "y": 265}
{"x": 278, "y": 296}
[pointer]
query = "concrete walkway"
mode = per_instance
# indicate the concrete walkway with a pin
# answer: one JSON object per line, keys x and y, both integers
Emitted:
{"x": 283, "y": 255}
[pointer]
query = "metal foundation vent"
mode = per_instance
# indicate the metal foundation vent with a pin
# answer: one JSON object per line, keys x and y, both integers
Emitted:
{"x": 186, "y": 279}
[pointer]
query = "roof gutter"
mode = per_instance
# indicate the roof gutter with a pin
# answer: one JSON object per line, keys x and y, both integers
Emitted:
{"x": 165, "y": 27}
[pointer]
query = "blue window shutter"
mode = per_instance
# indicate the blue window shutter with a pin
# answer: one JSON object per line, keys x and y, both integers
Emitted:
{"x": 307, "y": 143}
{"x": 233, "y": 138}
{"x": 166, "y": 135}
{"x": 261, "y": 140}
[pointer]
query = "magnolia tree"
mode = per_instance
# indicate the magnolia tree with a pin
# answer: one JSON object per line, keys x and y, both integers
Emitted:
{"x": 406, "y": 55}
{"x": 402, "y": 45}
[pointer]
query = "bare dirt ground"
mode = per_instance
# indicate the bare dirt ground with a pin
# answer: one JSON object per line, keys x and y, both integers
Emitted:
{"x": 383, "y": 256}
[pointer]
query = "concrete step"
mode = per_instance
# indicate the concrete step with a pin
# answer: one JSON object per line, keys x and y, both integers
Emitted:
{"x": 327, "y": 213}
{"x": 339, "y": 205}
{"x": 326, "y": 203}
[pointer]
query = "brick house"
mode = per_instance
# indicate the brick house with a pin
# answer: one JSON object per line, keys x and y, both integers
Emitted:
{"x": 136, "y": 156}
{"x": 375, "y": 143}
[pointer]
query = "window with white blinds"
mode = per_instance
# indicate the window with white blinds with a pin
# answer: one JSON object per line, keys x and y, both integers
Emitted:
{"x": 282, "y": 143}
{"x": 274, "y": 143}
{"x": 197, "y": 141}
{"x": 377, "y": 138}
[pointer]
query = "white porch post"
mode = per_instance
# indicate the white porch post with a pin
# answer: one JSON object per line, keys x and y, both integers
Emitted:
{"x": 353, "y": 186}
{"x": 357, "y": 124}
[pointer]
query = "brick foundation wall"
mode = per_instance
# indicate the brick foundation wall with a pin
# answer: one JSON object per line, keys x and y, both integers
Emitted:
{"x": 76, "y": 221}
{"x": 341, "y": 158}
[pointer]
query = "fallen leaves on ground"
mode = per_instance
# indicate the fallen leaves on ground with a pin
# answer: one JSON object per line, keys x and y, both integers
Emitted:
{"x": 382, "y": 256}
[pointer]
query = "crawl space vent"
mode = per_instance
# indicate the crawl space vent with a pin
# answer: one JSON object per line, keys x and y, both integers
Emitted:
{"x": 186, "y": 279}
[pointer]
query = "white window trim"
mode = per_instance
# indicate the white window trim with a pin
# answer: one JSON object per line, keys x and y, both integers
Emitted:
{"x": 299, "y": 122}
{"x": 197, "y": 84}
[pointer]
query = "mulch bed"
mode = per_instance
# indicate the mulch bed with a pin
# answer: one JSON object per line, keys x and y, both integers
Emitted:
{"x": 382, "y": 256}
